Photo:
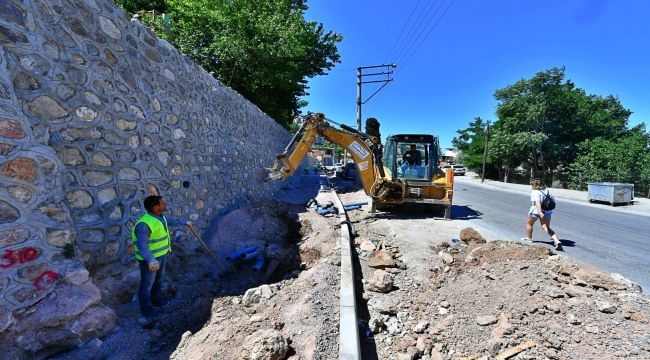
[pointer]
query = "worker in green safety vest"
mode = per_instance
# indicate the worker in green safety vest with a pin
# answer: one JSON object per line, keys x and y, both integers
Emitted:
{"x": 151, "y": 244}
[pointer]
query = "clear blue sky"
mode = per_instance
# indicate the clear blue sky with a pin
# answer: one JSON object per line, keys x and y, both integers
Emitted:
{"x": 451, "y": 56}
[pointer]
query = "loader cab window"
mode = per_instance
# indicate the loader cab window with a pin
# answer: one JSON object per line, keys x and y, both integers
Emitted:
{"x": 413, "y": 160}
{"x": 422, "y": 167}
{"x": 389, "y": 156}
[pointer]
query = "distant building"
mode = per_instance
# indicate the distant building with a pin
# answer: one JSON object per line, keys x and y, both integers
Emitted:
{"x": 449, "y": 156}
{"x": 325, "y": 156}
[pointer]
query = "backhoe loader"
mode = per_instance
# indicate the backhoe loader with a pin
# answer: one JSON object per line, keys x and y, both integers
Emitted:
{"x": 388, "y": 174}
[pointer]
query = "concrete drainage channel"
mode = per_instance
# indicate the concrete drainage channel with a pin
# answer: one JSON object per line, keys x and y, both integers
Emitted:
{"x": 349, "y": 346}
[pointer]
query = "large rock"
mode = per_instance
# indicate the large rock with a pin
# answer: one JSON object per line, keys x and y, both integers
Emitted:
{"x": 120, "y": 288}
{"x": 600, "y": 280}
{"x": 265, "y": 344}
{"x": 381, "y": 260}
{"x": 252, "y": 297}
{"x": 469, "y": 235}
{"x": 367, "y": 245}
{"x": 71, "y": 317}
{"x": 381, "y": 282}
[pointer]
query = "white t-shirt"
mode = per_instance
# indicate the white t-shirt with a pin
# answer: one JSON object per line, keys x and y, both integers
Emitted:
{"x": 538, "y": 195}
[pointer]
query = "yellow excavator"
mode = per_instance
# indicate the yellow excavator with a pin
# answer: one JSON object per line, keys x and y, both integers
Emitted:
{"x": 403, "y": 171}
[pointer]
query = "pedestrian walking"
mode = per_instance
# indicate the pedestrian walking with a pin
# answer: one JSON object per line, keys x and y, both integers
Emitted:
{"x": 152, "y": 243}
{"x": 537, "y": 195}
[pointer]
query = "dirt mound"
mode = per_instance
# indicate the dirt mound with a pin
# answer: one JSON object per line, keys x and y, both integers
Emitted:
{"x": 303, "y": 304}
{"x": 456, "y": 299}
{"x": 502, "y": 299}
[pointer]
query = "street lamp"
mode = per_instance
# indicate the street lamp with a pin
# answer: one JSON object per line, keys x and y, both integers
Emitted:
{"x": 387, "y": 72}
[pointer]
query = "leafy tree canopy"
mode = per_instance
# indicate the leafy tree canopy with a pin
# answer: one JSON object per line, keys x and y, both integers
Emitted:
{"x": 626, "y": 159}
{"x": 136, "y": 6}
{"x": 470, "y": 143}
{"x": 372, "y": 127}
{"x": 265, "y": 50}
{"x": 543, "y": 120}
{"x": 550, "y": 126}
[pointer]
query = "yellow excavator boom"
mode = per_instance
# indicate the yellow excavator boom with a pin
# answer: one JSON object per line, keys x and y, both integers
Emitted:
{"x": 358, "y": 146}
{"x": 377, "y": 180}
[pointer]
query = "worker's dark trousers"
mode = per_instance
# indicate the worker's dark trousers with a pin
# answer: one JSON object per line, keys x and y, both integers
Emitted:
{"x": 150, "y": 285}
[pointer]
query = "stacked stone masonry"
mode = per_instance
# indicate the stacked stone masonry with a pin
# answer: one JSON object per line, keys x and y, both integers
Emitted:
{"x": 96, "y": 113}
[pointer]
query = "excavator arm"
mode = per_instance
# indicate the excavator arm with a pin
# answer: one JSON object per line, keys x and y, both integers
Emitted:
{"x": 364, "y": 149}
{"x": 379, "y": 182}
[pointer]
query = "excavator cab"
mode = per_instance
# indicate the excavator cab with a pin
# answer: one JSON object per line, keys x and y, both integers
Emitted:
{"x": 411, "y": 156}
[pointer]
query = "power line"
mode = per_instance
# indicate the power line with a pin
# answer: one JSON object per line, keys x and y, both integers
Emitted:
{"x": 415, "y": 31}
{"x": 419, "y": 35}
{"x": 414, "y": 28}
{"x": 402, "y": 32}
{"x": 428, "y": 32}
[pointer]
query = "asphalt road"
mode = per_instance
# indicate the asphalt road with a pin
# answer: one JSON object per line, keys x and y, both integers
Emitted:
{"x": 612, "y": 241}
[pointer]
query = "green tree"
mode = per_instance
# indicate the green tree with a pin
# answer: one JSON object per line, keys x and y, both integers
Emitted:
{"x": 138, "y": 6}
{"x": 265, "y": 50}
{"x": 470, "y": 143}
{"x": 372, "y": 127}
{"x": 625, "y": 159}
{"x": 550, "y": 117}
{"x": 507, "y": 151}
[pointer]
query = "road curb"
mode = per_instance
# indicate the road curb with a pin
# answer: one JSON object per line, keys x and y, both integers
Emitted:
{"x": 349, "y": 346}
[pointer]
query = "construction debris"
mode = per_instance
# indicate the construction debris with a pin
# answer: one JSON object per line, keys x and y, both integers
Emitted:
{"x": 515, "y": 350}
{"x": 329, "y": 208}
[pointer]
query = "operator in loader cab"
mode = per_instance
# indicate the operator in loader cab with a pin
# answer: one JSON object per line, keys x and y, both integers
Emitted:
{"x": 412, "y": 157}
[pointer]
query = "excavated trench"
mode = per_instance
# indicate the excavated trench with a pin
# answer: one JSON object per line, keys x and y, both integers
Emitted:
{"x": 283, "y": 258}
{"x": 194, "y": 281}
{"x": 205, "y": 301}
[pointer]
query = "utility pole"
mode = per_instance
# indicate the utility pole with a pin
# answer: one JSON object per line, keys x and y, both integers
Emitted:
{"x": 485, "y": 148}
{"x": 387, "y": 72}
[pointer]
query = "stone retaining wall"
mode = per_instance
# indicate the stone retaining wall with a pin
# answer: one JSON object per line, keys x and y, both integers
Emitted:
{"x": 96, "y": 113}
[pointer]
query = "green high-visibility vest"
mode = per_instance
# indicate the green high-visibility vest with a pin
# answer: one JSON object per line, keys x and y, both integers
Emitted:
{"x": 158, "y": 243}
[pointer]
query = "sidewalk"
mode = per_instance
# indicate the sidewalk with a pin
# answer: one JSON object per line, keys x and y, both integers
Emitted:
{"x": 640, "y": 206}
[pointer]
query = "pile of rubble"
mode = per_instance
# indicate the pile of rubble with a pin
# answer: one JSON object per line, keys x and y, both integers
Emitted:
{"x": 498, "y": 300}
